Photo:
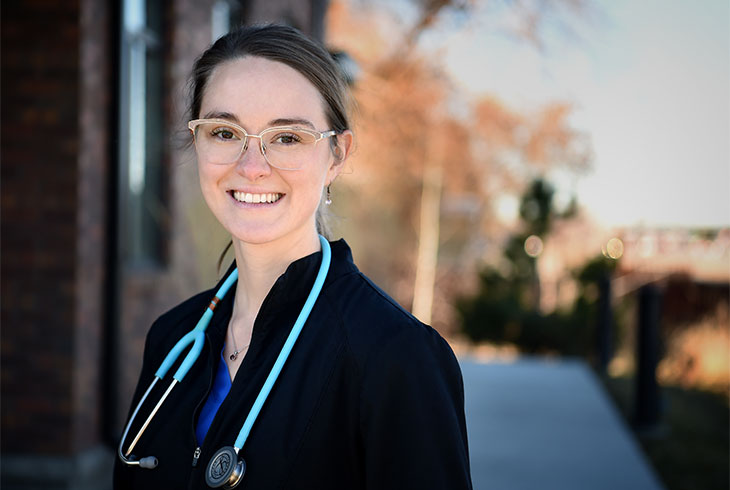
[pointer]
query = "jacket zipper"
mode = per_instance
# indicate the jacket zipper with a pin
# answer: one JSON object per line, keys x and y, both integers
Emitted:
{"x": 196, "y": 453}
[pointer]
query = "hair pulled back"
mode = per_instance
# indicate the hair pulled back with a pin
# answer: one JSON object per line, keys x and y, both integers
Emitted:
{"x": 283, "y": 44}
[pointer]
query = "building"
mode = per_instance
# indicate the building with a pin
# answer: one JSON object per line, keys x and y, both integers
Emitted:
{"x": 101, "y": 217}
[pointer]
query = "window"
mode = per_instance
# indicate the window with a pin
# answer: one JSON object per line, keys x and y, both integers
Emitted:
{"x": 225, "y": 16}
{"x": 142, "y": 133}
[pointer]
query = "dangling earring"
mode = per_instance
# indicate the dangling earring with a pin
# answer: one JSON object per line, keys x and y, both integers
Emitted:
{"x": 328, "y": 199}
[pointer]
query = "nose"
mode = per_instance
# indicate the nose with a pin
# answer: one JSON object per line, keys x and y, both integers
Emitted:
{"x": 251, "y": 163}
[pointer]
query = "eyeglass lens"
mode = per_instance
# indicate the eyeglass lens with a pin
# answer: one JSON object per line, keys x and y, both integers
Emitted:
{"x": 285, "y": 148}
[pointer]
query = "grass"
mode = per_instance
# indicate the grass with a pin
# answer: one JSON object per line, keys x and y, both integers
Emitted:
{"x": 691, "y": 449}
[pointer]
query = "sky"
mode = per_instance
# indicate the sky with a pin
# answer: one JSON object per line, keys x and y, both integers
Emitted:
{"x": 650, "y": 84}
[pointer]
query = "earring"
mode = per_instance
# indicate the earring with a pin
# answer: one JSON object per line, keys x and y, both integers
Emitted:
{"x": 328, "y": 199}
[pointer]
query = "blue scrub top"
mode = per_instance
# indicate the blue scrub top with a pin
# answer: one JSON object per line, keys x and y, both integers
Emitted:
{"x": 221, "y": 387}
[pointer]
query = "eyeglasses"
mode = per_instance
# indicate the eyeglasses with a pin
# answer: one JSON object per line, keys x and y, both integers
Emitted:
{"x": 222, "y": 142}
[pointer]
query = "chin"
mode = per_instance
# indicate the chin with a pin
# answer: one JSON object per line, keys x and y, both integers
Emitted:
{"x": 254, "y": 236}
{"x": 262, "y": 234}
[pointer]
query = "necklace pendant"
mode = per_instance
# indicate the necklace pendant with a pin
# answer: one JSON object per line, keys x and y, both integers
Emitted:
{"x": 234, "y": 356}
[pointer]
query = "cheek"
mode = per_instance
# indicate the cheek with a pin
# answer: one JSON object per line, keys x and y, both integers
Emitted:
{"x": 307, "y": 193}
{"x": 210, "y": 173}
{"x": 208, "y": 177}
{"x": 318, "y": 180}
{"x": 306, "y": 189}
{"x": 203, "y": 177}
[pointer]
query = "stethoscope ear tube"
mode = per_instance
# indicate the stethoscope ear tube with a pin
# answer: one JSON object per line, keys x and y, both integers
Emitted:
{"x": 195, "y": 336}
{"x": 198, "y": 339}
{"x": 225, "y": 468}
{"x": 148, "y": 462}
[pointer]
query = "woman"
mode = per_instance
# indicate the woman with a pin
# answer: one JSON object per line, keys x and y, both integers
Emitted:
{"x": 368, "y": 397}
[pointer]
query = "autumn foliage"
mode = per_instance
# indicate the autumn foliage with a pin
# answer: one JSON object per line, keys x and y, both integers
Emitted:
{"x": 411, "y": 122}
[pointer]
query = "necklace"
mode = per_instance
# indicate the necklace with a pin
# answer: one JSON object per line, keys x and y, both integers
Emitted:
{"x": 236, "y": 351}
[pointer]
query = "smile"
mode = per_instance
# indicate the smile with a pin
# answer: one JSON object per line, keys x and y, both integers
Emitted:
{"x": 248, "y": 197}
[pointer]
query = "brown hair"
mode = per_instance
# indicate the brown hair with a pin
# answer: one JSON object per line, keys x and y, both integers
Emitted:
{"x": 283, "y": 44}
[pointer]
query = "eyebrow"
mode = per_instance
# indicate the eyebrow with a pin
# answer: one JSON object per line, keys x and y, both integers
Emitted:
{"x": 282, "y": 121}
{"x": 221, "y": 115}
{"x": 291, "y": 122}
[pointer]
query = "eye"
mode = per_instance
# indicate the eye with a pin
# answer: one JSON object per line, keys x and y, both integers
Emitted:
{"x": 224, "y": 133}
{"x": 285, "y": 138}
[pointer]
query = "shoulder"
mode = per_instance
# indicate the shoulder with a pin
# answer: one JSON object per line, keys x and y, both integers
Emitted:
{"x": 380, "y": 333}
{"x": 361, "y": 304}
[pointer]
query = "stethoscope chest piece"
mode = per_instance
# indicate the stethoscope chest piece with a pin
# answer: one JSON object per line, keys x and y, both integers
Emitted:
{"x": 225, "y": 469}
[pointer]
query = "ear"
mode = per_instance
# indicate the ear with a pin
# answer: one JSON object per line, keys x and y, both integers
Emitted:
{"x": 345, "y": 144}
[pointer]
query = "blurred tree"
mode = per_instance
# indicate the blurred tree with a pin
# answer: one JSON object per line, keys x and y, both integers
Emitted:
{"x": 416, "y": 156}
{"x": 536, "y": 210}
{"x": 505, "y": 310}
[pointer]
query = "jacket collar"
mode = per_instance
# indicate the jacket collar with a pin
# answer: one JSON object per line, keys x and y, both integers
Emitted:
{"x": 293, "y": 285}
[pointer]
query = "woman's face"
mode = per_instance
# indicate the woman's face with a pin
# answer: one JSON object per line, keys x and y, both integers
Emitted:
{"x": 257, "y": 93}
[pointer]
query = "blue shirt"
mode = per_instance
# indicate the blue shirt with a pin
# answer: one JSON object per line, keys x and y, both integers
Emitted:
{"x": 221, "y": 387}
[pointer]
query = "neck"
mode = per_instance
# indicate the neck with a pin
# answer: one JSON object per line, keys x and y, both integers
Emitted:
{"x": 260, "y": 265}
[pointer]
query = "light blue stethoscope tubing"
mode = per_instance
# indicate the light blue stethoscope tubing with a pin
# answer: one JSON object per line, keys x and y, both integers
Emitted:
{"x": 197, "y": 337}
{"x": 284, "y": 354}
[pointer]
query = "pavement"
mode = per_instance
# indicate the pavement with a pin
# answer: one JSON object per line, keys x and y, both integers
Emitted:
{"x": 537, "y": 424}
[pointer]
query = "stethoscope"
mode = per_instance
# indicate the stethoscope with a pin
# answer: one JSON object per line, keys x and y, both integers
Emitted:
{"x": 225, "y": 469}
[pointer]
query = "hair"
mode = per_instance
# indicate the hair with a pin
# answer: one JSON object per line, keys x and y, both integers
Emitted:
{"x": 289, "y": 46}
{"x": 283, "y": 44}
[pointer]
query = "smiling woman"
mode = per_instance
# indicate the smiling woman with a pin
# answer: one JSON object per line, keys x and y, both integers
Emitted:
{"x": 312, "y": 377}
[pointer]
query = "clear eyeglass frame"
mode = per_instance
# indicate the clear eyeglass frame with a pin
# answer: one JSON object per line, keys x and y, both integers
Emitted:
{"x": 289, "y": 163}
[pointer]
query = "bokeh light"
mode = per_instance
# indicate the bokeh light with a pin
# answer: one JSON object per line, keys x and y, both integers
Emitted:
{"x": 533, "y": 246}
{"x": 614, "y": 248}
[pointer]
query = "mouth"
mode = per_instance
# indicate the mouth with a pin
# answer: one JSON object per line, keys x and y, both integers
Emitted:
{"x": 251, "y": 198}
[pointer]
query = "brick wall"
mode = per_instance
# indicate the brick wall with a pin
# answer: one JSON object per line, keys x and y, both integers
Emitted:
{"x": 55, "y": 88}
{"x": 40, "y": 145}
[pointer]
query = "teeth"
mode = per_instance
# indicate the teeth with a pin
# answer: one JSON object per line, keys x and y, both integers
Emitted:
{"x": 256, "y": 198}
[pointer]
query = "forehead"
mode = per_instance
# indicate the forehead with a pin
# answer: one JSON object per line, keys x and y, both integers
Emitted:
{"x": 257, "y": 90}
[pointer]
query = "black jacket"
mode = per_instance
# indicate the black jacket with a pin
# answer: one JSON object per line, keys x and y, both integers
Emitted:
{"x": 370, "y": 398}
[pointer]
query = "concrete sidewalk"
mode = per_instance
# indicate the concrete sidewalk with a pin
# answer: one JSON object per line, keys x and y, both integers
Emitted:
{"x": 548, "y": 425}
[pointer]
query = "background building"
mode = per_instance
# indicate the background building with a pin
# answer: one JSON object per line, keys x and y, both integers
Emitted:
{"x": 98, "y": 196}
